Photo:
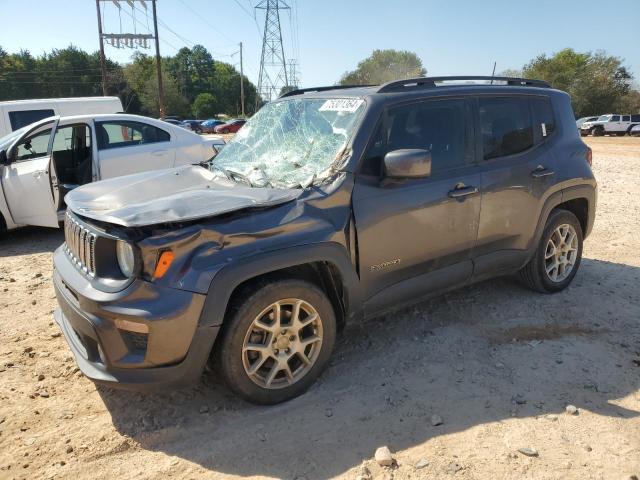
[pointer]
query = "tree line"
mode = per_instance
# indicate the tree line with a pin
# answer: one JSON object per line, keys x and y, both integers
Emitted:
{"x": 195, "y": 84}
{"x": 597, "y": 82}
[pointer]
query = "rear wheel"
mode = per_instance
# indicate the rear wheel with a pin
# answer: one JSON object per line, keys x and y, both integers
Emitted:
{"x": 557, "y": 258}
{"x": 278, "y": 341}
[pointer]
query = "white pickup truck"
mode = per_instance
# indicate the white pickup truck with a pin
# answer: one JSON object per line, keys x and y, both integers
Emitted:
{"x": 610, "y": 124}
{"x": 41, "y": 162}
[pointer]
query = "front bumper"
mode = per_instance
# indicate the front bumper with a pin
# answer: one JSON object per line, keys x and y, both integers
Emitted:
{"x": 141, "y": 338}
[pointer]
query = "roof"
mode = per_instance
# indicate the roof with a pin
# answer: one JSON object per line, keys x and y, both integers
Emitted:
{"x": 66, "y": 100}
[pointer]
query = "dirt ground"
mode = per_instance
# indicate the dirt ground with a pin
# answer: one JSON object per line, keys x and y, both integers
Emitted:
{"x": 496, "y": 362}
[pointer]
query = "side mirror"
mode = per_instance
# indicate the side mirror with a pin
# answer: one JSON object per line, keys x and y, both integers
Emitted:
{"x": 407, "y": 163}
{"x": 4, "y": 160}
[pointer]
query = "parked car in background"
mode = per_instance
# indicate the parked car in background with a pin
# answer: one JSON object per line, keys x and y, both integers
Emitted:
{"x": 635, "y": 131}
{"x": 41, "y": 162}
{"x": 16, "y": 114}
{"x": 194, "y": 124}
{"x": 209, "y": 126}
{"x": 260, "y": 262}
{"x": 580, "y": 121}
{"x": 177, "y": 123}
{"x": 230, "y": 127}
{"x": 610, "y": 124}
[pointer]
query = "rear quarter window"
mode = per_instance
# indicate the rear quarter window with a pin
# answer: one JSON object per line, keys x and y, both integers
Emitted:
{"x": 543, "y": 116}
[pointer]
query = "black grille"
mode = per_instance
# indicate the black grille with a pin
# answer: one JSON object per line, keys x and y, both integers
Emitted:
{"x": 80, "y": 244}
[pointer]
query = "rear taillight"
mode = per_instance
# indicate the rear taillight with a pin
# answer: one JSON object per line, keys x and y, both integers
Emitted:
{"x": 589, "y": 156}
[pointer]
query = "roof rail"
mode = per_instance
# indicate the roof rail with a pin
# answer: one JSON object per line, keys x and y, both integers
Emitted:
{"x": 320, "y": 89}
{"x": 430, "y": 82}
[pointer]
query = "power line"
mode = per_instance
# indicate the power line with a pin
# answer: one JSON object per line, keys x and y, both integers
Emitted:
{"x": 148, "y": 30}
{"x": 243, "y": 8}
{"x": 199, "y": 15}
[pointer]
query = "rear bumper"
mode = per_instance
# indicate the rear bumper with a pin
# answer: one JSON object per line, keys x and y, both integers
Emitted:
{"x": 106, "y": 332}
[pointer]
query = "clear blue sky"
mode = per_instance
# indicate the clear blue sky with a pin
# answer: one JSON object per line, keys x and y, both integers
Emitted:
{"x": 451, "y": 37}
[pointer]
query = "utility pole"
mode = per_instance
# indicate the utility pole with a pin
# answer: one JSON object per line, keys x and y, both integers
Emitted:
{"x": 273, "y": 65}
{"x": 130, "y": 40}
{"x": 158, "y": 66}
{"x": 241, "y": 83}
{"x": 103, "y": 67}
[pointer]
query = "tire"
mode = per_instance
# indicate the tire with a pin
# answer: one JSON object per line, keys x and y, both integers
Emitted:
{"x": 598, "y": 132}
{"x": 534, "y": 274}
{"x": 252, "y": 322}
{"x": 225, "y": 130}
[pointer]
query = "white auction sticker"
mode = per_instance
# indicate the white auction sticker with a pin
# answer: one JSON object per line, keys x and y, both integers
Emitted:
{"x": 341, "y": 105}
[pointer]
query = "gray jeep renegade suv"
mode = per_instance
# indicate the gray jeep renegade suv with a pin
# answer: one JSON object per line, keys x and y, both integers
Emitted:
{"x": 331, "y": 204}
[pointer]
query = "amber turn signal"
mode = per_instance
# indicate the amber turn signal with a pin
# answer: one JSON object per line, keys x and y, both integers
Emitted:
{"x": 164, "y": 262}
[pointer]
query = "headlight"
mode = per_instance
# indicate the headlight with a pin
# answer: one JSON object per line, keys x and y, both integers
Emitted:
{"x": 126, "y": 258}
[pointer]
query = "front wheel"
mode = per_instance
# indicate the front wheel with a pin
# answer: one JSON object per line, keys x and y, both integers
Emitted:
{"x": 225, "y": 130}
{"x": 277, "y": 342}
{"x": 598, "y": 132}
{"x": 557, "y": 258}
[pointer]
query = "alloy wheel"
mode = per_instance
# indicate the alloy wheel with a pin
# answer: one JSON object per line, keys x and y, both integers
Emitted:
{"x": 282, "y": 344}
{"x": 561, "y": 253}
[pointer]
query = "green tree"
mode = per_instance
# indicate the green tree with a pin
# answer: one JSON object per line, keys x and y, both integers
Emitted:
{"x": 72, "y": 72}
{"x": 174, "y": 102}
{"x": 204, "y": 106}
{"x": 630, "y": 103}
{"x": 597, "y": 82}
{"x": 384, "y": 66}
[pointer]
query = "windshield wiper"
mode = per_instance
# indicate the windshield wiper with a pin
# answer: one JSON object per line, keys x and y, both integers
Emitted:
{"x": 233, "y": 176}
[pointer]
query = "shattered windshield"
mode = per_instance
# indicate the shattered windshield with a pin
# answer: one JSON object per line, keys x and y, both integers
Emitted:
{"x": 290, "y": 143}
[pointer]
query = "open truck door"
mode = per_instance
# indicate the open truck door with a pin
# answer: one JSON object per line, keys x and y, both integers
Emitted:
{"x": 29, "y": 179}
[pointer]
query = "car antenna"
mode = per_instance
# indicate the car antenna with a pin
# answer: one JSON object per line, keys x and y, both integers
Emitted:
{"x": 494, "y": 72}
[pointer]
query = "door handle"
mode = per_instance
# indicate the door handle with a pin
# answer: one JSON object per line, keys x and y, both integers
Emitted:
{"x": 462, "y": 191}
{"x": 542, "y": 172}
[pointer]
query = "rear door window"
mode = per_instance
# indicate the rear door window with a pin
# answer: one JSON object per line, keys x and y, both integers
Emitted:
{"x": 626, "y": 118}
{"x": 23, "y": 118}
{"x": 118, "y": 134}
{"x": 506, "y": 126}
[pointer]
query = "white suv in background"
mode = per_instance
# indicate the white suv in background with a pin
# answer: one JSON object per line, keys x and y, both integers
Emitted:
{"x": 41, "y": 162}
{"x": 610, "y": 124}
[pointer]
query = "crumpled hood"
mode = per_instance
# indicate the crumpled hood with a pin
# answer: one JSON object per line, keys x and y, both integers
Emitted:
{"x": 172, "y": 195}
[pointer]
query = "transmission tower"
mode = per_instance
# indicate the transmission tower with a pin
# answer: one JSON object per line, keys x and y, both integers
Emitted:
{"x": 273, "y": 65}
{"x": 293, "y": 74}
